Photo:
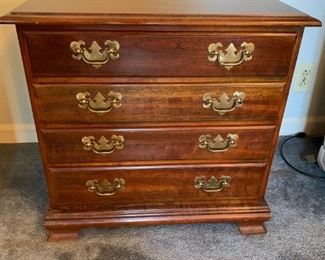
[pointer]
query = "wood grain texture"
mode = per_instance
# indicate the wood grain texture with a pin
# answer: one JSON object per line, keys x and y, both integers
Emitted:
{"x": 282, "y": 107}
{"x": 180, "y": 12}
{"x": 159, "y": 103}
{"x": 62, "y": 234}
{"x": 152, "y": 186}
{"x": 254, "y": 227}
{"x": 231, "y": 211}
{"x": 150, "y": 145}
{"x": 162, "y": 73}
{"x": 158, "y": 54}
{"x": 160, "y": 7}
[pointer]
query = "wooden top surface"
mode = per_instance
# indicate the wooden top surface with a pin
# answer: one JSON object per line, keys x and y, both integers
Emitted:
{"x": 154, "y": 11}
{"x": 158, "y": 7}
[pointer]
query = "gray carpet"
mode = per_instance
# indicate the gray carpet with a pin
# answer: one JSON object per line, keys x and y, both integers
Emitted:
{"x": 296, "y": 230}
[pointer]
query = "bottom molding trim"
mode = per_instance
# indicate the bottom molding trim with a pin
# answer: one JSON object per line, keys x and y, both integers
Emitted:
{"x": 250, "y": 219}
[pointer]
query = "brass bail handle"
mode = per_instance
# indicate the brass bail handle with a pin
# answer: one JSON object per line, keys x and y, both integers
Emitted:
{"x": 231, "y": 57}
{"x": 218, "y": 144}
{"x": 212, "y": 185}
{"x": 103, "y": 146}
{"x": 100, "y": 104}
{"x": 223, "y": 104}
{"x": 105, "y": 188}
{"x": 95, "y": 55}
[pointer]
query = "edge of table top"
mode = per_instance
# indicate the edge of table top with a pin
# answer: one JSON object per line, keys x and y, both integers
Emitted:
{"x": 231, "y": 13}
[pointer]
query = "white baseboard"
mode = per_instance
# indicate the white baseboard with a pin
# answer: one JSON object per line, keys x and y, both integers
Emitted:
{"x": 17, "y": 133}
{"x": 313, "y": 125}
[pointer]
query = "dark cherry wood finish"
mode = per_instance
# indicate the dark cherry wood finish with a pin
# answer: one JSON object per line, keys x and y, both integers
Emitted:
{"x": 149, "y": 103}
{"x": 157, "y": 54}
{"x": 150, "y": 186}
{"x": 166, "y": 144}
{"x": 234, "y": 13}
{"x": 162, "y": 73}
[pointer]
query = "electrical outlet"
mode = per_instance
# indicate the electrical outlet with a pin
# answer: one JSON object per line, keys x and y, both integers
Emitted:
{"x": 304, "y": 77}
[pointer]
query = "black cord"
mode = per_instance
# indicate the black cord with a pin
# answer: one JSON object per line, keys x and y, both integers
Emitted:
{"x": 298, "y": 135}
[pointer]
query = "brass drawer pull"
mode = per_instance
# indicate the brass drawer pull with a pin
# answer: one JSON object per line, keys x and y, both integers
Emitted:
{"x": 223, "y": 104}
{"x": 103, "y": 146}
{"x": 218, "y": 144}
{"x": 99, "y": 104}
{"x": 94, "y": 55}
{"x": 212, "y": 185}
{"x": 105, "y": 188}
{"x": 232, "y": 57}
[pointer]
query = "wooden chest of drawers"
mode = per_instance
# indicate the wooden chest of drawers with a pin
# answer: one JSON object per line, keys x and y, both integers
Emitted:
{"x": 162, "y": 112}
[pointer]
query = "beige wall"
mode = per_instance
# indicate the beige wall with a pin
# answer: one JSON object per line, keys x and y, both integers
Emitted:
{"x": 16, "y": 120}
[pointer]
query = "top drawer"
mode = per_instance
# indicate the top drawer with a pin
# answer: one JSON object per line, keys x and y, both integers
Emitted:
{"x": 159, "y": 54}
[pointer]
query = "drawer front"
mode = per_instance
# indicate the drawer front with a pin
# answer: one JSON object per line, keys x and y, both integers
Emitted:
{"x": 74, "y": 53}
{"x": 129, "y": 186}
{"x": 154, "y": 145}
{"x": 135, "y": 103}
